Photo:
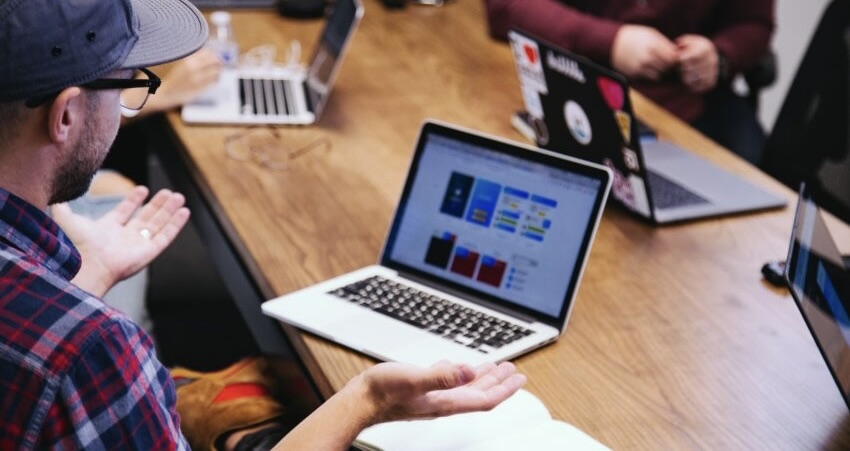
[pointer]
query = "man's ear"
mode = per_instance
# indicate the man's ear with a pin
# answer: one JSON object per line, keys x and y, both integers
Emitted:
{"x": 65, "y": 113}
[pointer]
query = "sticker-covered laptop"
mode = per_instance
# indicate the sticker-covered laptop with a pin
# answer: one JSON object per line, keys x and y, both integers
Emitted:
{"x": 482, "y": 261}
{"x": 583, "y": 109}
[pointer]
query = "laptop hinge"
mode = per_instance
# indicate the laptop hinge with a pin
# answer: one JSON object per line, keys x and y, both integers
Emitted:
{"x": 466, "y": 296}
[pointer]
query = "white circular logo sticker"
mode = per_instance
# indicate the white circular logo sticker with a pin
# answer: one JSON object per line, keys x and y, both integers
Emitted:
{"x": 577, "y": 122}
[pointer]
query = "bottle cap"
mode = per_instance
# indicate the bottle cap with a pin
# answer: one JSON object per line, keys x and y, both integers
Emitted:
{"x": 220, "y": 18}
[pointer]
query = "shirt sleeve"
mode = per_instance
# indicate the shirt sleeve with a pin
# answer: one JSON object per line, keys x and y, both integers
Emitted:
{"x": 556, "y": 22}
{"x": 117, "y": 396}
{"x": 744, "y": 31}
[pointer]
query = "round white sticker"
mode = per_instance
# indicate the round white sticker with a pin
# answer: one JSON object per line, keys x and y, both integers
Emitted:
{"x": 577, "y": 122}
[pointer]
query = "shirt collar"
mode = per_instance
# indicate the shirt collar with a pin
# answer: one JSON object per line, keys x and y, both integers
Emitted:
{"x": 32, "y": 232}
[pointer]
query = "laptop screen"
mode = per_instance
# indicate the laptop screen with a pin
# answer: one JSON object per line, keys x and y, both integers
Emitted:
{"x": 335, "y": 36}
{"x": 819, "y": 278}
{"x": 497, "y": 221}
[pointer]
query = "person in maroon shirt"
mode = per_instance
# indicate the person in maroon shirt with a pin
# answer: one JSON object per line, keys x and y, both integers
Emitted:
{"x": 681, "y": 54}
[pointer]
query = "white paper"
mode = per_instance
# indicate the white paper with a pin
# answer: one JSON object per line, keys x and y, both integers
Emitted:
{"x": 521, "y": 422}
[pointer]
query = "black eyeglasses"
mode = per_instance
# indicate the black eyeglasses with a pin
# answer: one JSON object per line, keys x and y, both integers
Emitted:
{"x": 134, "y": 100}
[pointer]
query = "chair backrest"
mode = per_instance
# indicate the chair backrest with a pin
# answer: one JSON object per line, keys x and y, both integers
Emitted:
{"x": 809, "y": 141}
{"x": 759, "y": 77}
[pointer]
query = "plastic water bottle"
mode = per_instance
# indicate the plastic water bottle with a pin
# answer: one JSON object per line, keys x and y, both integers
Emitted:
{"x": 221, "y": 39}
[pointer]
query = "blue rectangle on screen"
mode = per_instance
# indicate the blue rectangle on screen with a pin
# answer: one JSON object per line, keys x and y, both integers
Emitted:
{"x": 510, "y": 214}
{"x": 516, "y": 192}
{"x": 485, "y": 194}
{"x": 544, "y": 200}
{"x": 533, "y": 236}
{"x": 505, "y": 227}
{"x": 457, "y": 194}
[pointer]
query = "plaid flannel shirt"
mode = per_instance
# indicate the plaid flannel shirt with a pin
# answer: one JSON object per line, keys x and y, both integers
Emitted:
{"x": 74, "y": 373}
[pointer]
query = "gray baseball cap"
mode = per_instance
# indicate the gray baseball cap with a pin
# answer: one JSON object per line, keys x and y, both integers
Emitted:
{"x": 49, "y": 45}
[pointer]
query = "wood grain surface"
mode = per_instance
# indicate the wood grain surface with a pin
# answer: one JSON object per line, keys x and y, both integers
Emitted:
{"x": 675, "y": 341}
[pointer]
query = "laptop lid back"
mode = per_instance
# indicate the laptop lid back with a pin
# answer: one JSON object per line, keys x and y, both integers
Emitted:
{"x": 582, "y": 109}
{"x": 818, "y": 276}
{"x": 497, "y": 222}
{"x": 328, "y": 53}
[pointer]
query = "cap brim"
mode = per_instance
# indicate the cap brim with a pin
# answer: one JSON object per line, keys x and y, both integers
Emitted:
{"x": 168, "y": 30}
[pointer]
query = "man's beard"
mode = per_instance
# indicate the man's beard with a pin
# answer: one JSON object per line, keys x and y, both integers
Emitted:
{"x": 75, "y": 177}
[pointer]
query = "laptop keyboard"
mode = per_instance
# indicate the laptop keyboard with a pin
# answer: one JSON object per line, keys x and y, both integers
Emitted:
{"x": 270, "y": 97}
{"x": 667, "y": 193}
{"x": 463, "y": 325}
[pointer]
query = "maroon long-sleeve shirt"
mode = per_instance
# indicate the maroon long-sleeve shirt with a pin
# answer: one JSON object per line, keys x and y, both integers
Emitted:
{"x": 740, "y": 29}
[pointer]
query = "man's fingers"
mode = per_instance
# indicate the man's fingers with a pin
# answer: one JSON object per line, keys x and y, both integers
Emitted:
{"x": 505, "y": 389}
{"x": 60, "y": 212}
{"x": 156, "y": 213}
{"x": 165, "y": 213}
{"x": 477, "y": 398}
{"x": 494, "y": 376}
{"x": 663, "y": 58}
{"x": 166, "y": 234}
{"x": 122, "y": 212}
{"x": 445, "y": 377}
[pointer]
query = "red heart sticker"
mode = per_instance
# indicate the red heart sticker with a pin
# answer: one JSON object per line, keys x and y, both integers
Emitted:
{"x": 530, "y": 53}
{"x": 612, "y": 92}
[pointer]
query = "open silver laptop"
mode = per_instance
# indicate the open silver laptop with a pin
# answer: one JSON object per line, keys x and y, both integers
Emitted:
{"x": 583, "y": 109}
{"x": 281, "y": 94}
{"x": 482, "y": 260}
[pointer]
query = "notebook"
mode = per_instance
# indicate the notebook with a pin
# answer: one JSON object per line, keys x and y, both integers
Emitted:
{"x": 482, "y": 260}
{"x": 274, "y": 94}
{"x": 818, "y": 275}
{"x": 583, "y": 109}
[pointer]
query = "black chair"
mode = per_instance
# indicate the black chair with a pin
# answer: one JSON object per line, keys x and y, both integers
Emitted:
{"x": 760, "y": 76}
{"x": 809, "y": 141}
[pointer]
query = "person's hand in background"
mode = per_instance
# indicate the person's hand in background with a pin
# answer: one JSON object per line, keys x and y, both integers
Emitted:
{"x": 698, "y": 62}
{"x": 642, "y": 52}
{"x": 184, "y": 80}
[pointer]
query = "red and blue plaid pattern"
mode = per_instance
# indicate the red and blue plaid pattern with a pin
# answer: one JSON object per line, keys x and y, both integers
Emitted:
{"x": 74, "y": 373}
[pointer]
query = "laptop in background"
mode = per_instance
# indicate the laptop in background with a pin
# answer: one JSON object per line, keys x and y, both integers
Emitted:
{"x": 818, "y": 276}
{"x": 482, "y": 261}
{"x": 583, "y": 109}
{"x": 278, "y": 94}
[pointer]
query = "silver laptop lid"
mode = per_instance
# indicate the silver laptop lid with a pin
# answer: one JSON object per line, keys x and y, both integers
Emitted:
{"x": 497, "y": 221}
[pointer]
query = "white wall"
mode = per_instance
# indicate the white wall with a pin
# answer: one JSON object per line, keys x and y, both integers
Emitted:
{"x": 795, "y": 23}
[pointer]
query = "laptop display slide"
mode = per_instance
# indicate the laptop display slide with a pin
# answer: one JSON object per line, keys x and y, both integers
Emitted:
{"x": 584, "y": 110}
{"x": 482, "y": 261}
{"x": 496, "y": 225}
{"x": 818, "y": 275}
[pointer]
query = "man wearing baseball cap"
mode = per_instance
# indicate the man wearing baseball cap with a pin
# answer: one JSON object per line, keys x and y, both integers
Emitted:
{"x": 74, "y": 372}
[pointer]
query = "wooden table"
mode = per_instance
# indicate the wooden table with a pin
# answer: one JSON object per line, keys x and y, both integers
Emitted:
{"x": 675, "y": 341}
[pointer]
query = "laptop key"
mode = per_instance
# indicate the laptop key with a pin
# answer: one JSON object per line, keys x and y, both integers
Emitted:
{"x": 433, "y": 314}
